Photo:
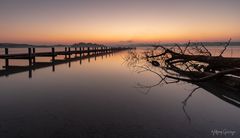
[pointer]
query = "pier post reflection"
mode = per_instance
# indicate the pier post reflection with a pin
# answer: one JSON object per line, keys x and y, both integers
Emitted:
{"x": 34, "y": 58}
{"x": 6, "y": 60}
{"x": 33, "y": 64}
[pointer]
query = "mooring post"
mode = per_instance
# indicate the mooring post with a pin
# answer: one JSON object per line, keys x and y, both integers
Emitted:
{"x": 53, "y": 54}
{"x": 98, "y": 50}
{"x": 30, "y": 62}
{"x": 69, "y": 52}
{"x": 80, "y": 51}
{"x": 65, "y": 52}
{"x": 106, "y": 51}
{"x": 75, "y": 51}
{"x": 30, "y": 56}
{"x": 69, "y": 64}
{"x": 53, "y": 59}
{"x": 80, "y": 54}
{"x": 6, "y": 51}
{"x": 30, "y": 73}
{"x": 6, "y": 59}
{"x": 53, "y": 67}
{"x": 88, "y": 51}
{"x": 34, "y": 57}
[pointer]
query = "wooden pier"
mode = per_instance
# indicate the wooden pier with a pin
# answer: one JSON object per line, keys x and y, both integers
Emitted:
{"x": 79, "y": 51}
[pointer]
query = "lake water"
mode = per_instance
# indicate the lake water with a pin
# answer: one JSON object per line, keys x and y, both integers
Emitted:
{"x": 99, "y": 99}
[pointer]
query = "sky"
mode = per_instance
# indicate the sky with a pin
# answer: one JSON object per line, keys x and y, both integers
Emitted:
{"x": 118, "y": 21}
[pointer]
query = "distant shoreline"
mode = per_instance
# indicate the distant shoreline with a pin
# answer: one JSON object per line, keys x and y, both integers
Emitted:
{"x": 181, "y": 44}
{"x": 15, "y": 45}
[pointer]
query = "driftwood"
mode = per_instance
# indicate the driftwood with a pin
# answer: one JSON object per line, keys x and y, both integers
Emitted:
{"x": 194, "y": 64}
{"x": 198, "y": 67}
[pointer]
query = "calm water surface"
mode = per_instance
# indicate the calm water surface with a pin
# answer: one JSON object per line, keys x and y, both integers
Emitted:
{"x": 98, "y": 99}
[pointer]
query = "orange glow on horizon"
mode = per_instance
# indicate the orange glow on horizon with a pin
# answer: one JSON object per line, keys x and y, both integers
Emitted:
{"x": 68, "y": 33}
{"x": 118, "y": 38}
{"x": 105, "y": 22}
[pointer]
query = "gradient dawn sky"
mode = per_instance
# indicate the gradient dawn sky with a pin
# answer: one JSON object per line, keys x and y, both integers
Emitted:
{"x": 106, "y": 21}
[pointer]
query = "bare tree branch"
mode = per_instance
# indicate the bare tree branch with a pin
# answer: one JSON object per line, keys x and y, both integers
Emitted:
{"x": 225, "y": 47}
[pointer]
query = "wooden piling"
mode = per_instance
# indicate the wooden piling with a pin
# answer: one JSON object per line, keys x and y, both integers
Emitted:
{"x": 53, "y": 68}
{"x": 53, "y": 54}
{"x": 30, "y": 73}
{"x": 95, "y": 50}
{"x": 69, "y": 52}
{"x": 80, "y": 51}
{"x": 76, "y": 51}
{"x": 34, "y": 58}
{"x": 69, "y": 64}
{"x": 88, "y": 51}
{"x": 30, "y": 56}
{"x": 30, "y": 62}
{"x": 80, "y": 55}
{"x": 6, "y": 60}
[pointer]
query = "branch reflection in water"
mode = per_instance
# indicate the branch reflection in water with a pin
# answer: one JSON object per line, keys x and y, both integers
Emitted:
{"x": 192, "y": 63}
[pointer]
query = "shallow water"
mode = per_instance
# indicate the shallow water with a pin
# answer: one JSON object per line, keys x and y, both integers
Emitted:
{"x": 98, "y": 98}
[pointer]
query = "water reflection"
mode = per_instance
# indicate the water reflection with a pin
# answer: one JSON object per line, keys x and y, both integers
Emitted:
{"x": 221, "y": 91}
{"x": 98, "y": 100}
{"x": 226, "y": 88}
{"x": 184, "y": 102}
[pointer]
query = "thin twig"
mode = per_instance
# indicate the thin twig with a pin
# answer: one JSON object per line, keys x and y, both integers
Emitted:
{"x": 225, "y": 47}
